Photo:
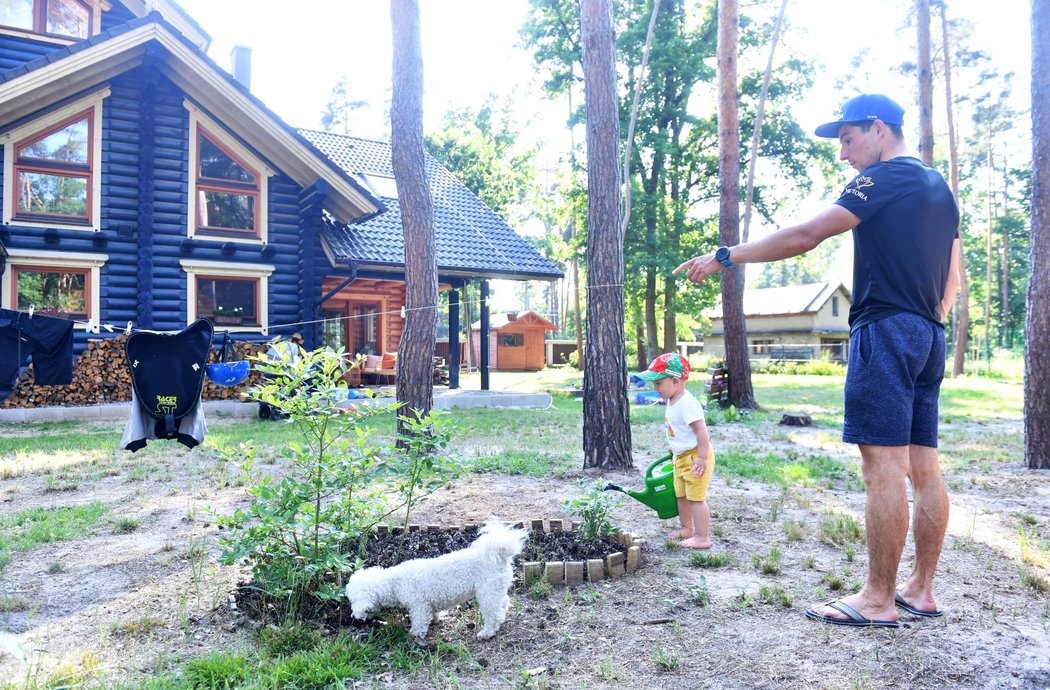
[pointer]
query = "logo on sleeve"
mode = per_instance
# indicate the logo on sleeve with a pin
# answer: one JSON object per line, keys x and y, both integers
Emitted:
{"x": 858, "y": 184}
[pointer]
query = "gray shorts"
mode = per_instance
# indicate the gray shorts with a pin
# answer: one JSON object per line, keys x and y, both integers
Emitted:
{"x": 893, "y": 382}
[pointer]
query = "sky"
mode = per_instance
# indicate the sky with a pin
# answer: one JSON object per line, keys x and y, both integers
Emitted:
{"x": 471, "y": 48}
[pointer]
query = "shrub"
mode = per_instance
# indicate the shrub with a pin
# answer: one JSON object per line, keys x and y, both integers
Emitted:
{"x": 300, "y": 534}
{"x": 594, "y": 507}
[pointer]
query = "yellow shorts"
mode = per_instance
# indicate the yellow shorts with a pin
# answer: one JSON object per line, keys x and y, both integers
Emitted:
{"x": 685, "y": 484}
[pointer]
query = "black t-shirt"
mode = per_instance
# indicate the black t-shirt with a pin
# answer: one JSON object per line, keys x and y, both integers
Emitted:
{"x": 902, "y": 248}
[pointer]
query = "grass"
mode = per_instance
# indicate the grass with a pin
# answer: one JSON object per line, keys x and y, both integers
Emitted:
{"x": 769, "y": 562}
{"x": 791, "y": 469}
{"x": 30, "y": 528}
{"x": 840, "y": 529}
{"x": 705, "y": 559}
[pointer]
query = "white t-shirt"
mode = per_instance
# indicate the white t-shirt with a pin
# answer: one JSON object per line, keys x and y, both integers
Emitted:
{"x": 680, "y": 436}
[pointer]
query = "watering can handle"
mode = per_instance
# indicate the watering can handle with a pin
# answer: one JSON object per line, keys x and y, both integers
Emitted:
{"x": 669, "y": 456}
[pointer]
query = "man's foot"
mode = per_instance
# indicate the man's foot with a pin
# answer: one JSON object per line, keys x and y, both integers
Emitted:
{"x": 680, "y": 534}
{"x": 696, "y": 543}
{"x": 918, "y": 606}
{"x": 854, "y": 610}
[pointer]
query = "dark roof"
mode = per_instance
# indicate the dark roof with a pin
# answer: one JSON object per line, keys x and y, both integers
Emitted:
{"x": 471, "y": 239}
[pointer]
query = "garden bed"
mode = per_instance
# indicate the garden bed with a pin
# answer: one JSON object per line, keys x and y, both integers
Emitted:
{"x": 554, "y": 550}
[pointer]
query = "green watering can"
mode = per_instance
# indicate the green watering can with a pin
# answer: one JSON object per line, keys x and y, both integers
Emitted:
{"x": 659, "y": 488}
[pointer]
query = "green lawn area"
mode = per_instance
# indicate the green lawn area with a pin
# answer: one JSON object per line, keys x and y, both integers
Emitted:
{"x": 528, "y": 441}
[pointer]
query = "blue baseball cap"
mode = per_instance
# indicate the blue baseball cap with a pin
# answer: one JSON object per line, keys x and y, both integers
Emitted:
{"x": 867, "y": 107}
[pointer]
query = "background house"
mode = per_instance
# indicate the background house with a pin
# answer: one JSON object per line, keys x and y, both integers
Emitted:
{"x": 515, "y": 339}
{"x": 793, "y": 322}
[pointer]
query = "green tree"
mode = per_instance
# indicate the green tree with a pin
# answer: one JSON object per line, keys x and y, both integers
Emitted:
{"x": 482, "y": 149}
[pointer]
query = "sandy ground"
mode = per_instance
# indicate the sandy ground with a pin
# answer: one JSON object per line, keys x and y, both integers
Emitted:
{"x": 126, "y": 606}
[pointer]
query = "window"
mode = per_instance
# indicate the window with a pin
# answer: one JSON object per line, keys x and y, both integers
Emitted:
{"x": 228, "y": 185}
{"x": 232, "y": 295}
{"x": 53, "y": 291}
{"x": 227, "y": 191}
{"x": 66, "y": 18}
{"x": 60, "y": 284}
{"x": 364, "y": 328}
{"x": 761, "y": 346}
{"x": 834, "y": 306}
{"x": 512, "y": 339}
{"x": 51, "y": 171}
{"x": 228, "y": 301}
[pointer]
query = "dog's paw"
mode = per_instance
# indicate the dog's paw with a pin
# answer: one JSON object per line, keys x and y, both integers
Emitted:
{"x": 487, "y": 634}
{"x": 420, "y": 641}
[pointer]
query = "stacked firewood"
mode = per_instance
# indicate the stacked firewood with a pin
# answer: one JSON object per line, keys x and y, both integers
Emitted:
{"x": 101, "y": 376}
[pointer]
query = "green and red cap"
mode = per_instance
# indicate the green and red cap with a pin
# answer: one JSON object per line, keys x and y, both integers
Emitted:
{"x": 669, "y": 365}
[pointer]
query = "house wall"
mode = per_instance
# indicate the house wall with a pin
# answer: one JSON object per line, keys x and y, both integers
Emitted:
{"x": 825, "y": 320}
{"x": 144, "y": 213}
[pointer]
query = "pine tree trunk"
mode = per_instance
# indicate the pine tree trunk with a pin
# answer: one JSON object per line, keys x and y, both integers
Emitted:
{"x": 1037, "y": 323}
{"x": 922, "y": 18}
{"x": 415, "y": 366}
{"x": 961, "y": 319}
{"x": 606, "y": 416}
{"x": 737, "y": 362}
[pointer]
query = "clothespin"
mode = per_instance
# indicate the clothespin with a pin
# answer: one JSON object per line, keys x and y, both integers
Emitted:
{"x": 402, "y": 311}
{"x": 88, "y": 325}
{"x": 127, "y": 331}
{"x": 109, "y": 329}
{"x": 32, "y": 308}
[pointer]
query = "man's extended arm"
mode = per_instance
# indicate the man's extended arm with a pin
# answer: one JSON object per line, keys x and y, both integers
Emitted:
{"x": 951, "y": 286}
{"x": 783, "y": 244}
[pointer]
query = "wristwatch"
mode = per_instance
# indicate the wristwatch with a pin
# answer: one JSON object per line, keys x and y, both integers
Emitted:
{"x": 722, "y": 255}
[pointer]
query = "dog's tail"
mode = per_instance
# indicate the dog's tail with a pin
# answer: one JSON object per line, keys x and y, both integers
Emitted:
{"x": 502, "y": 540}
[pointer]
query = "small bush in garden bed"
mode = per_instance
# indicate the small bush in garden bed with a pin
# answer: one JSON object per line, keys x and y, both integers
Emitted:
{"x": 299, "y": 534}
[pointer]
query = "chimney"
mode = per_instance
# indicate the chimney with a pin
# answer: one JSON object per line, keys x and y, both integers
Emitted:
{"x": 241, "y": 58}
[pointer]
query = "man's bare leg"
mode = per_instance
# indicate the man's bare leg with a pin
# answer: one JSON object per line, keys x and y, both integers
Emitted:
{"x": 930, "y": 522}
{"x": 886, "y": 523}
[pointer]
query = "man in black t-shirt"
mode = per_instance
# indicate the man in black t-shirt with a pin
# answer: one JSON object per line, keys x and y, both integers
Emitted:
{"x": 905, "y": 237}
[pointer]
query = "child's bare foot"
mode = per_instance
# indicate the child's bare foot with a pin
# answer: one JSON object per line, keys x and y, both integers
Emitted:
{"x": 680, "y": 534}
{"x": 696, "y": 543}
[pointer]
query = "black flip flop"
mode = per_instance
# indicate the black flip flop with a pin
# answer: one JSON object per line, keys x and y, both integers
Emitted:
{"x": 902, "y": 604}
{"x": 856, "y": 618}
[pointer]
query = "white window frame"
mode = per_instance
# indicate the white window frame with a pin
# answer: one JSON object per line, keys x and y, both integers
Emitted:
{"x": 197, "y": 118}
{"x": 62, "y": 260}
{"x": 222, "y": 269}
{"x": 11, "y": 137}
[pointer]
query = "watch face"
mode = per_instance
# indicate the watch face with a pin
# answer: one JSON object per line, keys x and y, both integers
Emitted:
{"x": 722, "y": 254}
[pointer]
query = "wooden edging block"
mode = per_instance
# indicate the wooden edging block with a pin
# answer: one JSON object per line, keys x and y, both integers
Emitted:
{"x": 556, "y": 525}
{"x": 634, "y": 559}
{"x": 413, "y": 528}
{"x": 537, "y": 525}
{"x": 616, "y": 565}
{"x": 555, "y": 572}
{"x": 382, "y": 529}
{"x": 574, "y": 572}
{"x": 595, "y": 569}
{"x": 531, "y": 571}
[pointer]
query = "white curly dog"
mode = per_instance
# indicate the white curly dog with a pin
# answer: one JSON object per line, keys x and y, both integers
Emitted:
{"x": 425, "y": 586}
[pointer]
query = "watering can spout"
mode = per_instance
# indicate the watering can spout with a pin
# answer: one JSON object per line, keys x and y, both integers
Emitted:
{"x": 659, "y": 488}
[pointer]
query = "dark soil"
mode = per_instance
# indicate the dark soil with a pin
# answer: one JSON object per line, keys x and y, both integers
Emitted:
{"x": 389, "y": 549}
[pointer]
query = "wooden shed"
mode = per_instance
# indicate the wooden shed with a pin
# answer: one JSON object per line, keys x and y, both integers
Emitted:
{"x": 515, "y": 340}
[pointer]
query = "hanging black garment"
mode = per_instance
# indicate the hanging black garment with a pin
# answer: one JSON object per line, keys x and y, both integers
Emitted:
{"x": 167, "y": 376}
{"x": 49, "y": 341}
